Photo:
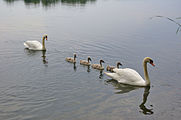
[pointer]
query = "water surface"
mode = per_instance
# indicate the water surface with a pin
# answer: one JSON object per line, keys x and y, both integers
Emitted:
{"x": 38, "y": 85}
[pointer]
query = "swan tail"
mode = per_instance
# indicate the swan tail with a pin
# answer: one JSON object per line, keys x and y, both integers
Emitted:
{"x": 112, "y": 75}
{"x": 25, "y": 45}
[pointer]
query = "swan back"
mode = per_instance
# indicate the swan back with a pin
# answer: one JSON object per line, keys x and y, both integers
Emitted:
{"x": 36, "y": 45}
{"x": 85, "y": 62}
{"x": 33, "y": 45}
{"x": 98, "y": 66}
{"x": 70, "y": 59}
{"x": 130, "y": 76}
{"x": 127, "y": 76}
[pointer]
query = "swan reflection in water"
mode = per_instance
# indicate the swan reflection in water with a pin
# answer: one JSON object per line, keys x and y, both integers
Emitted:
{"x": 100, "y": 71}
{"x": 101, "y": 75}
{"x": 75, "y": 67}
{"x": 127, "y": 88}
{"x": 142, "y": 106}
{"x": 44, "y": 57}
{"x": 88, "y": 68}
{"x": 33, "y": 53}
{"x": 121, "y": 87}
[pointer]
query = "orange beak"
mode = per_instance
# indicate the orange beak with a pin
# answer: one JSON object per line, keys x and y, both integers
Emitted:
{"x": 152, "y": 64}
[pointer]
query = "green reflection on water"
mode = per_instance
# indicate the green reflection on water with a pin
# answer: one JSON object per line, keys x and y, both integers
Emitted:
{"x": 76, "y": 1}
{"x": 52, "y": 2}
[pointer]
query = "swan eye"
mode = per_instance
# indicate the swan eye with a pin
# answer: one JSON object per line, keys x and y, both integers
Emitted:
{"x": 151, "y": 61}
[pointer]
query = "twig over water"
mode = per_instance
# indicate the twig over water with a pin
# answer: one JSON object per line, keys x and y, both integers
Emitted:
{"x": 179, "y": 25}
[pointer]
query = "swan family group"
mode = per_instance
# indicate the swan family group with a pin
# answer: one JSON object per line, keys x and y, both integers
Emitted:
{"x": 124, "y": 76}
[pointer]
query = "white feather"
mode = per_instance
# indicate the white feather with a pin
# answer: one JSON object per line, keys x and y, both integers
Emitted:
{"x": 36, "y": 45}
{"x": 130, "y": 76}
{"x": 127, "y": 76}
{"x": 33, "y": 45}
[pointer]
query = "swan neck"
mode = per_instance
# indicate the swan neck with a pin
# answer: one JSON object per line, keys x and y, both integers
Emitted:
{"x": 101, "y": 63}
{"x": 43, "y": 43}
{"x": 88, "y": 60}
{"x": 147, "y": 80}
{"x": 117, "y": 65}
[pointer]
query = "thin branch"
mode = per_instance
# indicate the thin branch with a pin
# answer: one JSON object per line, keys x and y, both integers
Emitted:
{"x": 179, "y": 25}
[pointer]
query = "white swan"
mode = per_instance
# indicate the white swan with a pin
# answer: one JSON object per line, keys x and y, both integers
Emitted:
{"x": 130, "y": 76}
{"x": 36, "y": 45}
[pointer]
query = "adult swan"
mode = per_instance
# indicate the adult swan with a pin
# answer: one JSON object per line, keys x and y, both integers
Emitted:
{"x": 36, "y": 45}
{"x": 130, "y": 76}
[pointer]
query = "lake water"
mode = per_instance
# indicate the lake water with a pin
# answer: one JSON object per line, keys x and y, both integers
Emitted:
{"x": 43, "y": 86}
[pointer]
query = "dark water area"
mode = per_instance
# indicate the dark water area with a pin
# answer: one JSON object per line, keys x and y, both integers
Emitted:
{"x": 38, "y": 85}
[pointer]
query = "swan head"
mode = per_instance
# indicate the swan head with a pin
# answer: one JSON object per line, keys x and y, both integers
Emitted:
{"x": 102, "y": 61}
{"x": 45, "y": 36}
{"x": 118, "y": 63}
{"x": 149, "y": 60}
{"x": 89, "y": 59}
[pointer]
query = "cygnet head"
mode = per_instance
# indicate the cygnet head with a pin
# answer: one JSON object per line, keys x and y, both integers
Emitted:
{"x": 89, "y": 59}
{"x": 118, "y": 63}
{"x": 102, "y": 61}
